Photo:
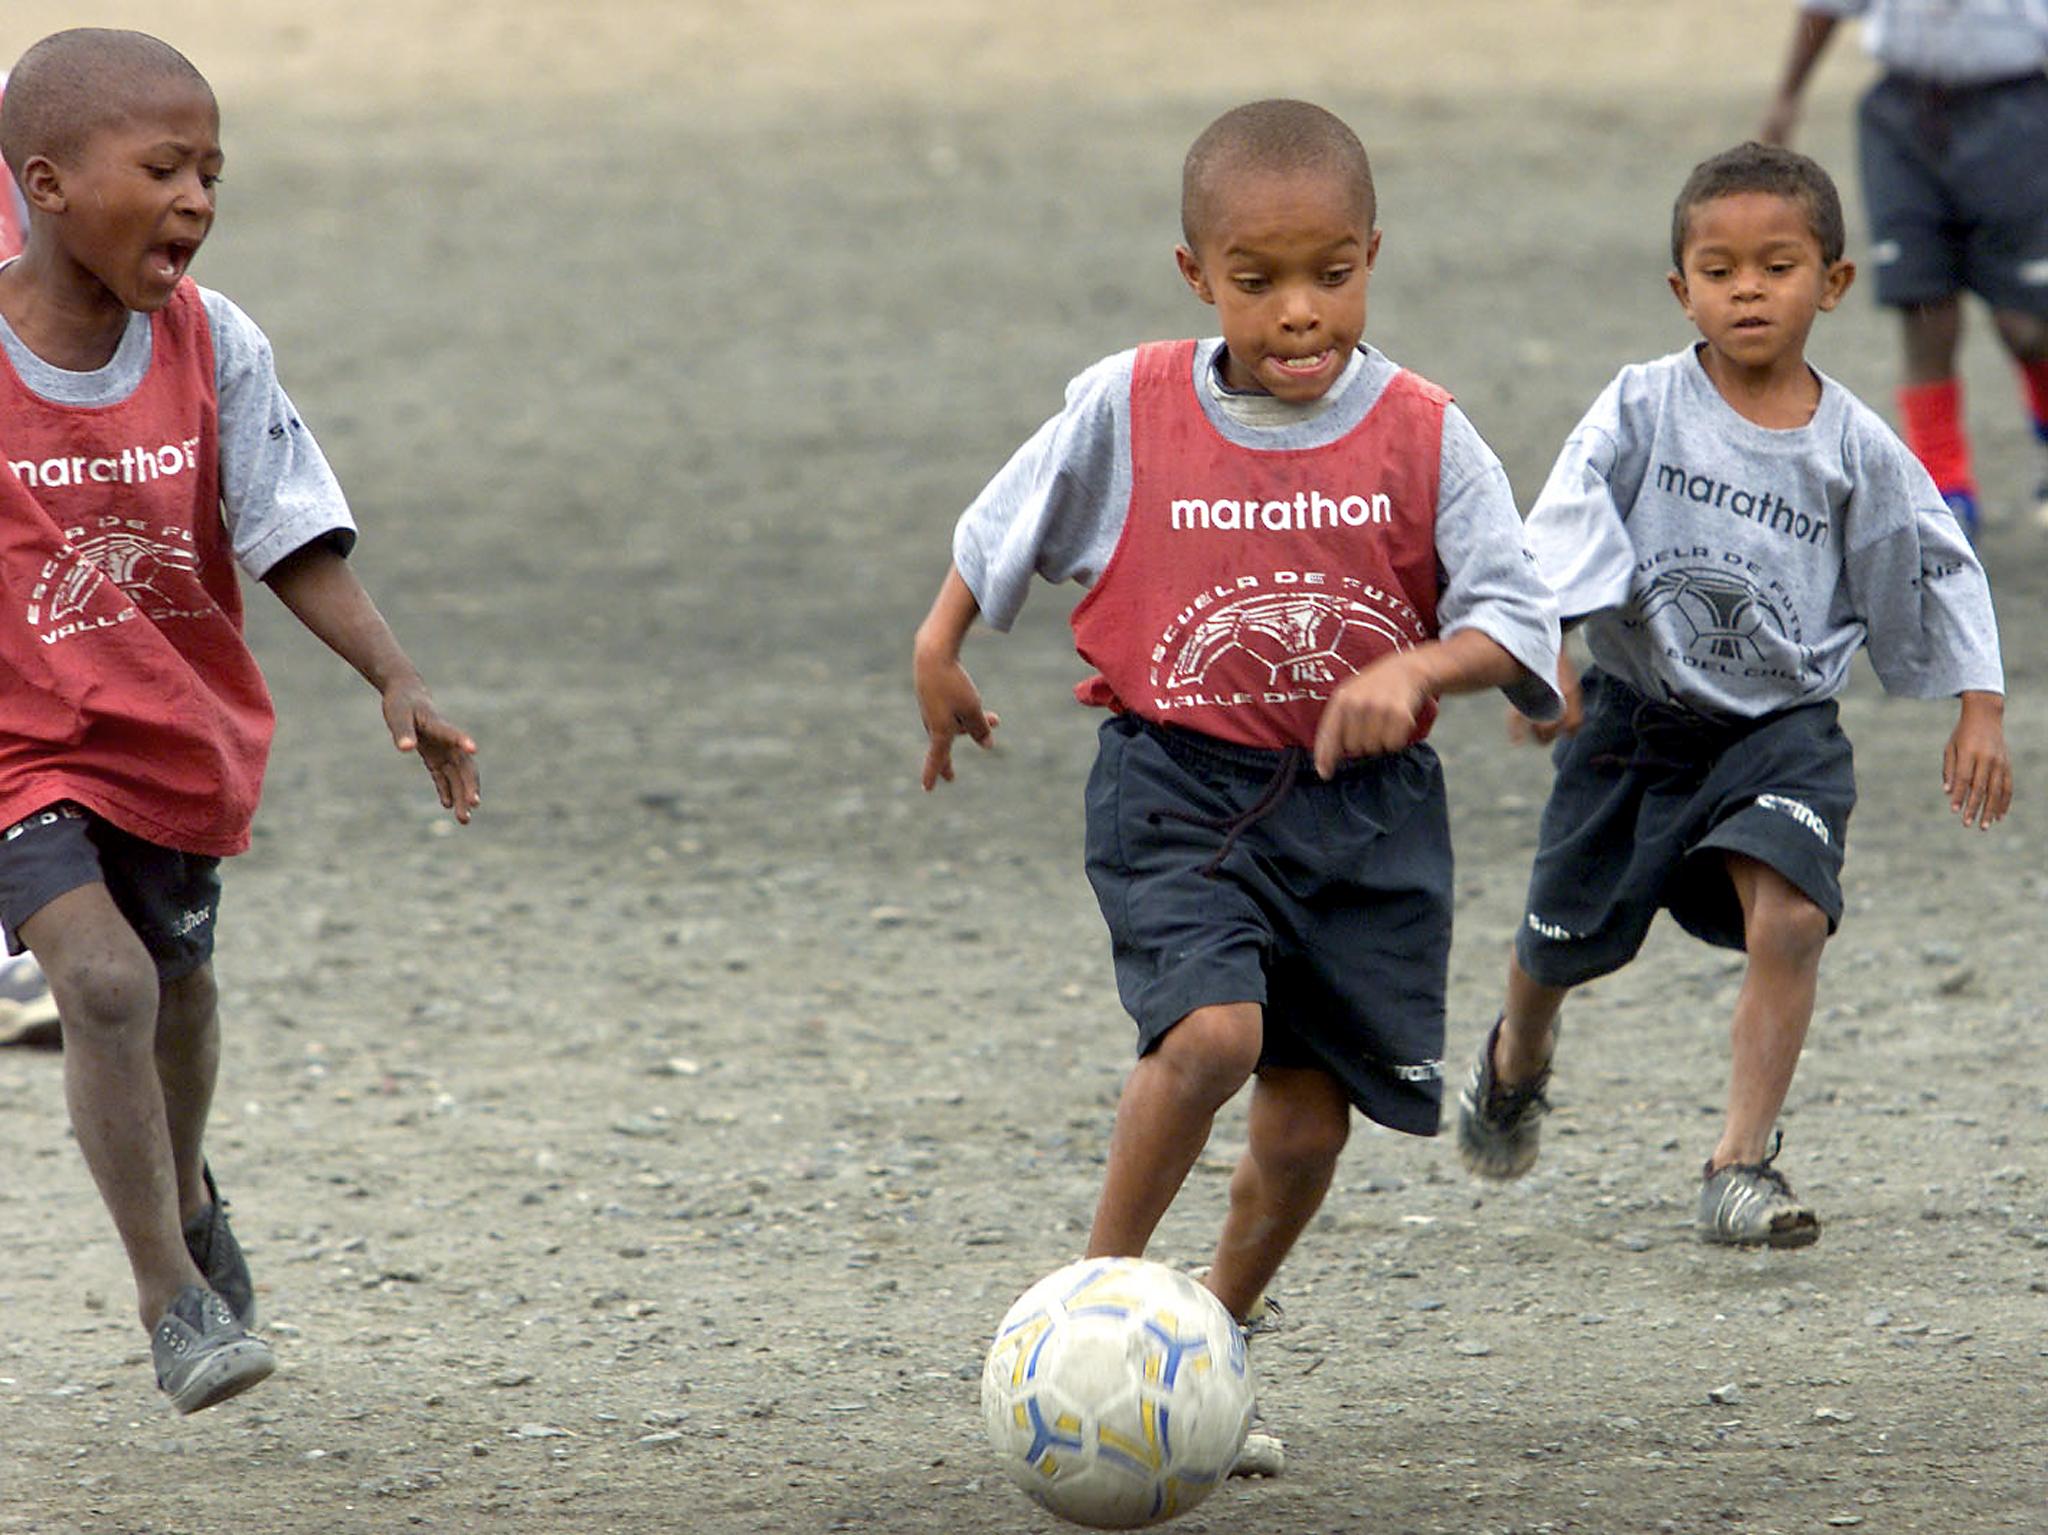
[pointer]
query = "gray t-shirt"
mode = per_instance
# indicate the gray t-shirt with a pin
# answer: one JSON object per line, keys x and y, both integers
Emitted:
{"x": 1736, "y": 569}
{"x": 1057, "y": 508}
{"x": 1958, "y": 42}
{"x": 277, "y": 492}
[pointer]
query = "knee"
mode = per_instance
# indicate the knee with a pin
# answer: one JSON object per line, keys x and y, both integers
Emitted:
{"x": 1789, "y": 932}
{"x": 106, "y": 994}
{"x": 1214, "y": 1050}
{"x": 1302, "y": 1147}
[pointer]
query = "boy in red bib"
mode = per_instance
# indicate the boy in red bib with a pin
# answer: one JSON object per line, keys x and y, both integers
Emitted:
{"x": 1293, "y": 548}
{"x": 148, "y": 451}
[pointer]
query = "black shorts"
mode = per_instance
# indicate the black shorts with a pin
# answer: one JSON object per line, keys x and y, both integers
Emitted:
{"x": 1648, "y": 802}
{"x": 170, "y": 898}
{"x": 1332, "y": 912}
{"x": 1956, "y": 183}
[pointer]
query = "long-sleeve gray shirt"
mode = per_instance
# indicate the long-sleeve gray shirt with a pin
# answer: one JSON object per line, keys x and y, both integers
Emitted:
{"x": 1737, "y": 569}
{"x": 1057, "y": 508}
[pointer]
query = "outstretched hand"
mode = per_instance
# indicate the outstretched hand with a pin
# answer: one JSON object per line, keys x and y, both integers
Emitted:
{"x": 951, "y": 706}
{"x": 448, "y": 752}
{"x": 1976, "y": 770}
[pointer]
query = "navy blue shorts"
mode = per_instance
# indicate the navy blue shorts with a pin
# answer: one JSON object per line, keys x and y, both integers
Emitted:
{"x": 1332, "y": 912}
{"x": 170, "y": 898}
{"x": 1648, "y": 803}
{"x": 1956, "y": 183}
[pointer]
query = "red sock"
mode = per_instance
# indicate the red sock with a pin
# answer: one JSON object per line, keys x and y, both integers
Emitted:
{"x": 1933, "y": 416}
{"x": 2034, "y": 382}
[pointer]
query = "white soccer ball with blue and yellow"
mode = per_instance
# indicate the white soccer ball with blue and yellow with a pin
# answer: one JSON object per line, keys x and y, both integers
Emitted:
{"x": 1117, "y": 1392}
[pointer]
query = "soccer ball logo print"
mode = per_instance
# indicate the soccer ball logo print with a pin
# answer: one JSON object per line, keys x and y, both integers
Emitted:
{"x": 1722, "y": 611}
{"x": 1117, "y": 1392}
{"x": 1296, "y": 637}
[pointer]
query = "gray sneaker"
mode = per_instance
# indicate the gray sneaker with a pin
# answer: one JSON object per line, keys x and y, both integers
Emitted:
{"x": 216, "y": 1253}
{"x": 1749, "y": 1204}
{"x": 202, "y": 1354}
{"x": 1499, "y": 1126}
{"x": 1263, "y": 1454}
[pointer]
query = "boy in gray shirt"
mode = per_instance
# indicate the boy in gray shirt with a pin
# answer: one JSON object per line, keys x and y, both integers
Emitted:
{"x": 1730, "y": 525}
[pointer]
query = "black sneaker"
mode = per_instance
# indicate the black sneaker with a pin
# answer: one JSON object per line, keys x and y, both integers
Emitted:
{"x": 218, "y": 1255}
{"x": 202, "y": 1354}
{"x": 1498, "y": 1126}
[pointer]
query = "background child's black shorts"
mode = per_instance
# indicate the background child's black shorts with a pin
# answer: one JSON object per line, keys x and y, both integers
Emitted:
{"x": 1648, "y": 802}
{"x": 170, "y": 898}
{"x": 1333, "y": 911}
{"x": 1957, "y": 197}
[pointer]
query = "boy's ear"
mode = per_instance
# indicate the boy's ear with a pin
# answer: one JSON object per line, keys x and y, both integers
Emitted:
{"x": 1678, "y": 291}
{"x": 1836, "y": 283}
{"x": 1191, "y": 274}
{"x": 42, "y": 185}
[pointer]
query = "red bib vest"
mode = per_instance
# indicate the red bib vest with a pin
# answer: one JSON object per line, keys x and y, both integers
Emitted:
{"x": 128, "y": 686}
{"x": 1249, "y": 583}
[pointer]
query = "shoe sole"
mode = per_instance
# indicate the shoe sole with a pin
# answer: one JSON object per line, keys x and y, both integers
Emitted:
{"x": 228, "y": 1371}
{"x": 1789, "y": 1231}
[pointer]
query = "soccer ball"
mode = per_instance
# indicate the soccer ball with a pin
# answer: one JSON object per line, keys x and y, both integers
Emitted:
{"x": 1117, "y": 1392}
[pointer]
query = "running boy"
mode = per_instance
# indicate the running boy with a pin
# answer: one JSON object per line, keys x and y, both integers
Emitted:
{"x": 1293, "y": 548}
{"x": 1953, "y": 141}
{"x": 1731, "y": 525}
{"x": 149, "y": 450}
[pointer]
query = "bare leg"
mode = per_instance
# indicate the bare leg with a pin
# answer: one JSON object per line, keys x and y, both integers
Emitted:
{"x": 106, "y": 990}
{"x": 1528, "y": 1026}
{"x": 187, "y": 1062}
{"x": 1932, "y": 333}
{"x": 1169, "y": 1102}
{"x": 1785, "y": 933}
{"x": 2025, "y": 335}
{"x": 1298, "y": 1125}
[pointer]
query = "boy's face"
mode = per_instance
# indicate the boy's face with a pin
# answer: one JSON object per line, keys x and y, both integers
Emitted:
{"x": 133, "y": 206}
{"x": 1754, "y": 279}
{"x": 1285, "y": 260}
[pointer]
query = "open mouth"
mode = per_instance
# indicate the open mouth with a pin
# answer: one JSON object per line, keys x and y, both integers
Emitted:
{"x": 1303, "y": 365}
{"x": 170, "y": 259}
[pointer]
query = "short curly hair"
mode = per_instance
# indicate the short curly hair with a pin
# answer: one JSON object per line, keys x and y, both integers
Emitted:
{"x": 1274, "y": 137}
{"x": 1755, "y": 167}
{"x": 71, "y": 84}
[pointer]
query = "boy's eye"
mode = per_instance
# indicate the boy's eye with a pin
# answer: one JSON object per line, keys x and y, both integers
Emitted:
{"x": 1250, "y": 282}
{"x": 1337, "y": 276}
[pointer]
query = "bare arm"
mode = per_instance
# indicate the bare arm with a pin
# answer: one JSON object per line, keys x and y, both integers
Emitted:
{"x": 1376, "y": 710}
{"x": 1810, "y": 36}
{"x": 323, "y": 593}
{"x": 946, "y": 696}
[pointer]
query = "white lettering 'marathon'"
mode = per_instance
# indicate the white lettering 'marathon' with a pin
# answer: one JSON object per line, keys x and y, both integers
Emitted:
{"x": 1308, "y": 509}
{"x": 131, "y": 466}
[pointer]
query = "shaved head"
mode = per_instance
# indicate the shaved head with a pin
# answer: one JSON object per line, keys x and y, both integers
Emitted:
{"x": 1274, "y": 138}
{"x": 71, "y": 84}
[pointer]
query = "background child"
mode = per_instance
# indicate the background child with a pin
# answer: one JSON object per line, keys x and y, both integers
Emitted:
{"x": 1732, "y": 525}
{"x": 149, "y": 451}
{"x": 1954, "y": 147}
{"x": 27, "y": 1013}
{"x": 1293, "y": 547}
